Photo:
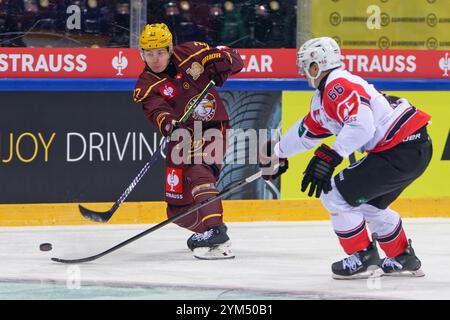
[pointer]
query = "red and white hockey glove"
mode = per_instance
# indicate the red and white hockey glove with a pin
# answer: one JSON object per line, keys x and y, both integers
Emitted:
{"x": 320, "y": 170}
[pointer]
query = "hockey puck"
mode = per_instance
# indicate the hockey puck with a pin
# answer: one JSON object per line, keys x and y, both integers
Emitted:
{"x": 45, "y": 247}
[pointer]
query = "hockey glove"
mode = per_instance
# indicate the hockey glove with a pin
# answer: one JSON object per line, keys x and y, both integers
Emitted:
{"x": 219, "y": 68}
{"x": 170, "y": 124}
{"x": 268, "y": 160}
{"x": 320, "y": 170}
{"x": 219, "y": 78}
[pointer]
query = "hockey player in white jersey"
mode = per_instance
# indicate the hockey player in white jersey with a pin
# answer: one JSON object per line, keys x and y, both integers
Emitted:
{"x": 393, "y": 134}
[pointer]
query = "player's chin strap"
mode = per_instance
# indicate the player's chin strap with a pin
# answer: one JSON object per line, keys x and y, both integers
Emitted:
{"x": 312, "y": 79}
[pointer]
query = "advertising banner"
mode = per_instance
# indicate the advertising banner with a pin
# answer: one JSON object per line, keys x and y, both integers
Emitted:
{"x": 75, "y": 147}
{"x": 385, "y": 24}
{"x": 122, "y": 63}
{"x": 66, "y": 147}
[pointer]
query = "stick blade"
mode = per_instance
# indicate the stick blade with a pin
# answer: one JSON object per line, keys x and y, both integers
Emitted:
{"x": 71, "y": 261}
{"x": 97, "y": 216}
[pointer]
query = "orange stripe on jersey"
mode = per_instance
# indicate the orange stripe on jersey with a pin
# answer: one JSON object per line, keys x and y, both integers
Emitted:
{"x": 176, "y": 56}
{"x": 160, "y": 118}
{"x": 193, "y": 55}
{"x": 149, "y": 90}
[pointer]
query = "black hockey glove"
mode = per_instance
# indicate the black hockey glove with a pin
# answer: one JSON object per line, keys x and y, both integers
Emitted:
{"x": 268, "y": 160}
{"x": 320, "y": 170}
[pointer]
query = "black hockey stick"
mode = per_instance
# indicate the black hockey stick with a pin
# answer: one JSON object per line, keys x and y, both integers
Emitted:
{"x": 233, "y": 187}
{"x": 104, "y": 216}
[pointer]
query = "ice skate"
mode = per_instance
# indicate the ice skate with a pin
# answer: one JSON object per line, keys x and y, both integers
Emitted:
{"x": 213, "y": 244}
{"x": 404, "y": 265}
{"x": 360, "y": 265}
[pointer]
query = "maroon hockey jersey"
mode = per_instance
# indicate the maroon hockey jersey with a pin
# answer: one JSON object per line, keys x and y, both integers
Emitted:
{"x": 162, "y": 95}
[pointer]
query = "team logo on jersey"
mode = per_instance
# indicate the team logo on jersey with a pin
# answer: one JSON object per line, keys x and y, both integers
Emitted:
{"x": 347, "y": 109}
{"x": 168, "y": 91}
{"x": 444, "y": 64}
{"x": 206, "y": 110}
{"x": 120, "y": 63}
{"x": 301, "y": 128}
{"x": 174, "y": 178}
{"x": 195, "y": 70}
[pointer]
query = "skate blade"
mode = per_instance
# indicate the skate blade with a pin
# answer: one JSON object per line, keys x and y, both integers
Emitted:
{"x": 220, "y": 252}
{"x": 376, "y": 273}
{"x": 406, "y": 273}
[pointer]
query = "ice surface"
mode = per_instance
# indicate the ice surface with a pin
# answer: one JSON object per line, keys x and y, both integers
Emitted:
{"x": 274, "y": 260}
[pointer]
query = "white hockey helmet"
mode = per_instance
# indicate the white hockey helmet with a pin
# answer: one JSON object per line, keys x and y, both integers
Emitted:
{"x": 324, "y": 51}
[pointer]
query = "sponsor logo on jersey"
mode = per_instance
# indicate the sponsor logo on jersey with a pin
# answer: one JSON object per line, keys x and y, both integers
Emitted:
{"x": 412, "y": 137}
{"x": 361, "y": 200}
{"x": 210, "y": 57}
{"x": 174, "y": 183}
{"x": 120, "y": 63}
{"x": 195, "y": 70}
{"x": 168, "y": 91}
{"x": 347, "y": 109}
{"x": 301, "y": 129}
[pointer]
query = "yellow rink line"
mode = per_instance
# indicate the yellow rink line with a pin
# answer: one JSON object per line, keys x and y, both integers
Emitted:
{"x": 234, "y": 211}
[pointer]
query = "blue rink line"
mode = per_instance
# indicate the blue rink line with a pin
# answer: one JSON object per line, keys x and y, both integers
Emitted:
{"x": 107, "y": 84}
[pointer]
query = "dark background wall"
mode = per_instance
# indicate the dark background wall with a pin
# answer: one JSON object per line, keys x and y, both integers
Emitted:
{"x": 102, "y": 174}
{"x": 60, "y": 147}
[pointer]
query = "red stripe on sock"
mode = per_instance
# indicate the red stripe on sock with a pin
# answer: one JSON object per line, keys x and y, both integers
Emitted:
{"x": 356, "y": 243}
{"x": 396, "y": 246}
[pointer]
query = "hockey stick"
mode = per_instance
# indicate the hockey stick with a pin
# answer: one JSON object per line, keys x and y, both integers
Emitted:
{"x": 233, "y": 187}
{"x": 352, "y": 158}
{"x": 104, "y": 216}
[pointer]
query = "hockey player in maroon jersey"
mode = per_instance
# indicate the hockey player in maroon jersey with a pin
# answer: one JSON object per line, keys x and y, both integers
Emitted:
{"x": 172, "y": 78}
{"x": 393, "y": 134}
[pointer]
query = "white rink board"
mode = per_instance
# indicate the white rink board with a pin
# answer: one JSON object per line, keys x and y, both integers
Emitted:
{"x": 274, "y": 260}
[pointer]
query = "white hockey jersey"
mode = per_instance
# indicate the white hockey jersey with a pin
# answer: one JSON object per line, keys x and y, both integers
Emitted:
{"x": 359, "y": 115}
